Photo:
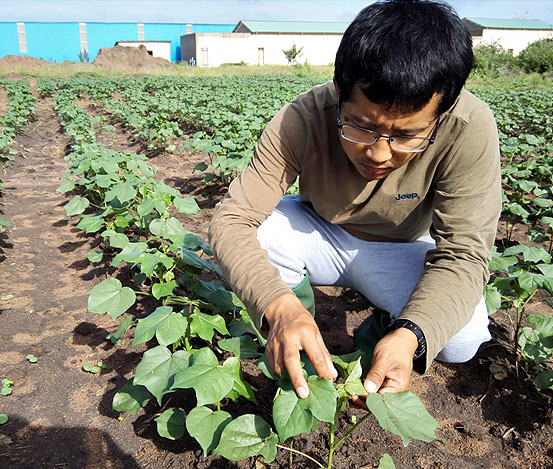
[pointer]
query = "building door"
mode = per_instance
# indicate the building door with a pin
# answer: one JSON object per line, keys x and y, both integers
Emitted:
{"x": 204, "y": 60}
{"x": 260, "y": 56}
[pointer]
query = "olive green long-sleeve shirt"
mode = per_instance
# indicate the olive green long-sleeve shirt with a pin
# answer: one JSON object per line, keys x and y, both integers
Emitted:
{"x": 452, "y": 190}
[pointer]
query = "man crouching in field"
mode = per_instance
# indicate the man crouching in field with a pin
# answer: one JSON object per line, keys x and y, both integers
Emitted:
{"x": 399, "y": 199}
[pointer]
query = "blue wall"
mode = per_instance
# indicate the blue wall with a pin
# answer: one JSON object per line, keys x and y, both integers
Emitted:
{"x": 44, "y": 40}
{"x": 105, "y": 35}
{"x": 9, "y": 44}
{"x": 58, "y": 42}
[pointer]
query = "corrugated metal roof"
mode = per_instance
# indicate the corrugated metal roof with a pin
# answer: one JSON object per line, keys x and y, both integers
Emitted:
{"x": 494, "y": 23}
{"x": 307, "y": 27}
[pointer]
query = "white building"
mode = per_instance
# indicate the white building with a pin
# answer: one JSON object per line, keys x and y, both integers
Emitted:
{"x": 513, "y": 35}
{"x": 158, "y": 49}
{"x": 263, "y": 42}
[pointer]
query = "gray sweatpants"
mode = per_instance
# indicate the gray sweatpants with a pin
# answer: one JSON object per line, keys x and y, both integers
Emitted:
{"x": 297, "y": 239}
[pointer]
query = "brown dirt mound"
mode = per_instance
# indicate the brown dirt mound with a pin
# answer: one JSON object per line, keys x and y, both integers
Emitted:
{"x": 20, "y": 60}
{"x": 133, "y": 57}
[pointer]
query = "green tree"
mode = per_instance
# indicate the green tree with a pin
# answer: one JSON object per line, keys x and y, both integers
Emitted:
{"x": 537, "y": 57}
{"x": 492, "y": 61}
{"x": 293, "y": 54}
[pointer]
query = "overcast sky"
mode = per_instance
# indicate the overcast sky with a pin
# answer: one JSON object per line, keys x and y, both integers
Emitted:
{"x": 231, "y": 11}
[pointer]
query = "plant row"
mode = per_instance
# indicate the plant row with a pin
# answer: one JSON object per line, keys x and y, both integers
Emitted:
{"x": 202, "y": 330}
{"x": 20, "y": 110}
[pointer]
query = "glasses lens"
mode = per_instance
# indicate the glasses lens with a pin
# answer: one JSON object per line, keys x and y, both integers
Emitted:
{"x": 353, "y": 134}
{"x": 408, "y": 144}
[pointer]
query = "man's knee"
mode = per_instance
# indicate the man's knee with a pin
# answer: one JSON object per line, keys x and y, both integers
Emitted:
{"x": 464, "y": 345}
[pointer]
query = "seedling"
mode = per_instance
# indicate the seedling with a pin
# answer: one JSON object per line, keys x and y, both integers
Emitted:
{"x": 6, "y": 387}
{"x": 31, "y": 358}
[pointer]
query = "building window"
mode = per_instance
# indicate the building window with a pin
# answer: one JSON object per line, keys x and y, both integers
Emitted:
{"x": 260, "y": 56}
{"x": 140, "y": 27}
{"x": 22, "y": 38}
{"x": 82, "y": 35}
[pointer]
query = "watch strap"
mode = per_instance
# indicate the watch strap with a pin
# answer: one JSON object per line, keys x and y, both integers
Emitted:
{"x": 407, "y": 324}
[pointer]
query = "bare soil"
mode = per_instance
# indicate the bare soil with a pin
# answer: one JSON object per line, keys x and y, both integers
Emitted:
{"x": 61, "y": 416}
{"x": 127, "y": 57}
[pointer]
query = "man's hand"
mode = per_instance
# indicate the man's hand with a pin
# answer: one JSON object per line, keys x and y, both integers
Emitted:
{"x": 292, "y": 328}
{"x": 392, "y": 365}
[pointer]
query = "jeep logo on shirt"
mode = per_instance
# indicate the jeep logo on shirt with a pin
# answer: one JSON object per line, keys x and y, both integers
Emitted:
{"x": 413, "y": 195}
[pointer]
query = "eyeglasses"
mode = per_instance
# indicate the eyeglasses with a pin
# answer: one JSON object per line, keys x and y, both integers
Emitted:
{"x": 402, "y": 143}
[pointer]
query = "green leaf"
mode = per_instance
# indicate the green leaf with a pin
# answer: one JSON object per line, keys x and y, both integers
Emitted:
{"x": 117, "y": 240}
{"x": 241, "y": 387}
{"x": 3, "y": 419}
{"x": 502, "y": 263}
{"x": 322, "y": 399}
{"x": 76, "y": 206}
{"x": 170, "y": 424}
{"x": 242, "y": 347}
{"x": 123, "y": 191}
{"x": 247, "y": 436}
{"x": 291, "y": 414}
{"x": 130, "y": 398}
{"x": 124, "y": 325}
{"x": 159, "y": 290}
{"x": 529, "y": 253}
{"x": 386, "y": 462}
{"x": 66, "y": 186}
{"x": 210, "y": 381}
{"x": 186, "y": 205}
{"x": 543, "y": 323}
{"x": 95, "y": 256}
{"x": 110, "y": 297}
{"x": 206, "y": 426}
{"x": 493, "y": 298}
{"x": 158, "y": 369}
{"x": 535, "y": 345}
{"x": 204, "y": 325}
{"x": 145, "y": 207}
{"x": 263, "y": 364}
{"x": 91, "y": 368}
{"x": 31, "y": 358}
{"x": 403, "y": 414}
{"x": 245, "y": 325}
{"x": 90, "y": 223}
{"x": 200, "y": 167}
{"x": 168, "y": 327}
{"x": 167, "y": 228}
{"x": 544, "y": 380}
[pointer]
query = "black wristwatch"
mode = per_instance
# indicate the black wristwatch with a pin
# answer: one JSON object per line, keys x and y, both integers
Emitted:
{"x": 421, "y": 348}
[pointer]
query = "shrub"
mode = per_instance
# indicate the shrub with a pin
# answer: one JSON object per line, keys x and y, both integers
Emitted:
{"x": 537, "y": 57}
{"x": 492, "y": 61}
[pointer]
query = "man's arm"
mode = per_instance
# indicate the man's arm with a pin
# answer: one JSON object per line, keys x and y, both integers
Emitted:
{"x": 245, "y": 265}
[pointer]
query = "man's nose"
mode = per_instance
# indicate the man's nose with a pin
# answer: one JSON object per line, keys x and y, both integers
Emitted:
{"x": 379, "y": 152}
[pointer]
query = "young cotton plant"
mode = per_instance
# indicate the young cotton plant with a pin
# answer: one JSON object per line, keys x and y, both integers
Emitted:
{"x": 521, "y": 272}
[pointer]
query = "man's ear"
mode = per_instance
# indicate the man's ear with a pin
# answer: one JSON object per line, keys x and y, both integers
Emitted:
{"x": 336, "y": 87}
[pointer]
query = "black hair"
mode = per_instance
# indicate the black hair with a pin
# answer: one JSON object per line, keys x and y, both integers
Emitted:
{"x": 402, "y": 52}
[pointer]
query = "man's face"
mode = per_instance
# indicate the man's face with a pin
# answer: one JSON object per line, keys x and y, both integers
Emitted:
{"x": 378, "y": 160}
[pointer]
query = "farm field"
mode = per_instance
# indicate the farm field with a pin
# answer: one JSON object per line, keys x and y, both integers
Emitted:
{"x": 106, "y": 283}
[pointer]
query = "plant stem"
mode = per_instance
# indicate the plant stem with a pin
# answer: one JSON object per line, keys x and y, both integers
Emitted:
{"x": 302, "y": 454}
{"x": 187, "y": 344}
{"x": 218, "y": 405}
{"x": 142, "y": 293}
{"x": 353, "y": 427}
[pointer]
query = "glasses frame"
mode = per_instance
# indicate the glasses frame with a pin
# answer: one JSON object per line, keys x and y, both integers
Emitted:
{"x": 378, "y": 136}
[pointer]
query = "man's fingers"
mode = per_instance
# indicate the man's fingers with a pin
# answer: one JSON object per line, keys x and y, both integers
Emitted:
{"x": 375, "y": 378}
{"x": 358, "y": 401}
{"x": 319, "y": 357}
{"x": 295, "y": 371}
